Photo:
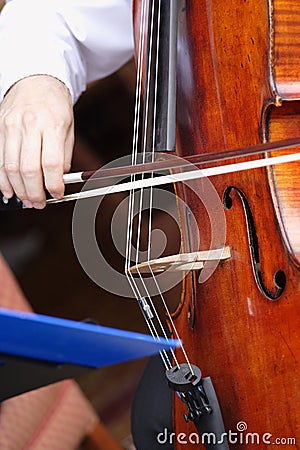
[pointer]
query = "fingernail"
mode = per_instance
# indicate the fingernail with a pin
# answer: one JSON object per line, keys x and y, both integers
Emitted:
{"x": 27, "y": 203}
{"x": 38, "y": 205}
{"x": 7, "y": 194}
{"x": 56, "y": 195}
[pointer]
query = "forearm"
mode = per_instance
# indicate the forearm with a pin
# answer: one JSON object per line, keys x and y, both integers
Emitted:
{"x": 74, "y": 41}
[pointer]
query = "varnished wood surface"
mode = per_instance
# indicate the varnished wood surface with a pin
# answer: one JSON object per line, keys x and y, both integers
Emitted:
{"x": 284, "y": 120}
{"x": 286, "y": 23}
{"x": 247, "y": 343}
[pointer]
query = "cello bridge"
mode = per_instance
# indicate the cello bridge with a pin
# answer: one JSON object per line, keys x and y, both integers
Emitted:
{"x": 181, "y": 262}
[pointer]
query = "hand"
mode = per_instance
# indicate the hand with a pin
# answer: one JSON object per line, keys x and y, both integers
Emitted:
{"x": 36, "y": 139}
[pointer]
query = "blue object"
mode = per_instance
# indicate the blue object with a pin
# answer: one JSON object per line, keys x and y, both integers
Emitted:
{"x": 59, "y": 340}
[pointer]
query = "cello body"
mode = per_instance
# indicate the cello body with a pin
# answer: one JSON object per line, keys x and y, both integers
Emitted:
{"x": 238, "y": 85}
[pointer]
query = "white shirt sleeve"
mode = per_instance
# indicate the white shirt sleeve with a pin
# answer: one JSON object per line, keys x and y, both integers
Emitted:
{"x": 76, "y": 41}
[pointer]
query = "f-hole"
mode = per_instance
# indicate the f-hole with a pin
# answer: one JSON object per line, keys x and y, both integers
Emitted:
{"x": 279, "y": 278}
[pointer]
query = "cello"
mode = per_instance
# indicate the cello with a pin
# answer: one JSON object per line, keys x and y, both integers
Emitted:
{"x": 236, "y": 85}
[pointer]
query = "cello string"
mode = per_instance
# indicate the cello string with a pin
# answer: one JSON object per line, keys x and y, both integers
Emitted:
{"x": 174, "y": 329}
{"x": 136, "y": 135}
{"x": 137, "y": 109}
{"x": 136, "y": 119}
{"x": 138, "y": 96}
{"x": 130, "y": 278}
{"x": 144, "y": 143}
{"x": 135, "y": 148}
{"x": 164, "y": 303}
{"x": 151, "y": 187}
{"x": 153, "y": 134}
{"x": 135, "y": 140}
{"x": 141, "y": 202}
{"x": 147, "y": 102}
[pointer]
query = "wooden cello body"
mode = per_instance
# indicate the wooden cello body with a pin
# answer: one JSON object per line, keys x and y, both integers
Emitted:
{"x": 238, "y": 84}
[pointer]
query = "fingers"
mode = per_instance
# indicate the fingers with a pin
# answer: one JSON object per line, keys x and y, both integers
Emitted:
{"x": 69, "y": 146}
{"x": 36, "y": 140}
{"x": 13, "y": 142}
{"x": 30, "y": 164}
{"x": 57, "y": 150}
{"x": 5, "y": 185}
{"x": 53, "y": 162}
{"x": 10, "y": 178}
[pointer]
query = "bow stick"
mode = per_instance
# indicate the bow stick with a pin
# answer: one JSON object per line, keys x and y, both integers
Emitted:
{"x": 172, "y": 163}
{"x": 175, "y": 162}
{"x": 176, "y": 177}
